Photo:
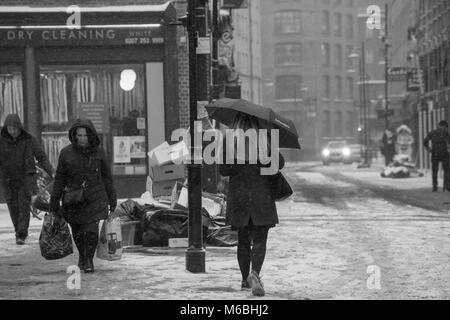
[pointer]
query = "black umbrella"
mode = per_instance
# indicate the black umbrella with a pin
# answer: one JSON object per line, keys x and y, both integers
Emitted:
{"x": 225, "y": 110}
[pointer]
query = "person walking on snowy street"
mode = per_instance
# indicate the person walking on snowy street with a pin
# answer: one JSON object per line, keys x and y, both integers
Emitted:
{"x": 18, "y": 152}
{"x": 440, "y": 140}
{"x": 83, "y": 163}
{"x": 250, "y": 210}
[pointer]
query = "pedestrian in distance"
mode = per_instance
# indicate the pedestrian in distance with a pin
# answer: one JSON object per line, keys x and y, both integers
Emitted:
{"x": 388, "y": 146}
{"x": 440, "y": 140}
{"x": 250, "y": 210}
{"x": 83, "y": 163}
{"x": 19, "y": 151}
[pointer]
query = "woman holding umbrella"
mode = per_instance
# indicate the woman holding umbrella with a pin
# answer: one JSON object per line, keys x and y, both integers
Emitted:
{"x": 251, "y": 210}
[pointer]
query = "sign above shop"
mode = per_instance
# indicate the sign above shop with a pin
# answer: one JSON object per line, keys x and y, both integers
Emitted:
{"x": 81, "y": 37}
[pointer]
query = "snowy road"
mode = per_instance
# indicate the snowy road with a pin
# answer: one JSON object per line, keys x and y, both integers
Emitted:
{"x": 337, "y": 239}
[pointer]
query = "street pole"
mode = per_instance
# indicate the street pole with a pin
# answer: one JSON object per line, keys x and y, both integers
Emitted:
{"x": 366, "y": 129}
{"x": 195, "y": 254}
{"x": 386, "y": 68}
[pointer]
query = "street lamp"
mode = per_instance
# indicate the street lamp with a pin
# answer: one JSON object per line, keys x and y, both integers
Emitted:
{"x": 195, "y": 254}
{"x": 363, "y": 127}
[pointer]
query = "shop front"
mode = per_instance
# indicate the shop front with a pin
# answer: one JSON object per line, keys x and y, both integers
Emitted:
{"x": 117, "y": 67}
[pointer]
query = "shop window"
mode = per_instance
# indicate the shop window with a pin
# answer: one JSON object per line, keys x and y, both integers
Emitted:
{"x": 11, "y": 92}
{"x": 112, "y": 96}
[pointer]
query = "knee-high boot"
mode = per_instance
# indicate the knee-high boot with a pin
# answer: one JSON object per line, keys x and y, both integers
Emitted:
{"x": 79, "y": 240}
{"x": 91, "y": 246}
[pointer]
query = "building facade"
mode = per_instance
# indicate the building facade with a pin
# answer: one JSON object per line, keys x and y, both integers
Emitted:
{"x": 306, "y": 45}
{"x": 115, "y": 70}
{"x": 432, "y": 34}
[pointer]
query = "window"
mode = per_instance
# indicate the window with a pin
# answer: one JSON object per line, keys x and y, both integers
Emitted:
{"x": 115, "y": 96}
{"x": 348, "y": 60}
{"x": 11, "y": 92}
{"x": 338, "y": 87}
{"x": 349, "y": 31}
{"x": 338, "y": 24}
{"x": 338, "y": 124}
{"x": 338, "y": 56}
{"x": 326, "y": 54}
{"x": 288, "y": 54}
{"x": 349, "y": 127}
{"x": 288, "y": 87}
{"x": 326, "y": 86}
{"x": 351, "y": 88}
{"x": 288, "y": 22}
{"x": 369, "y": 56}
{"x": 326, "y": 124}
{"x": 325, "y": 22}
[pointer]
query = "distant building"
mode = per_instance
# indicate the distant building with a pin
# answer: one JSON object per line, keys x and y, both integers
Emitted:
{"x": 305, "y": 63}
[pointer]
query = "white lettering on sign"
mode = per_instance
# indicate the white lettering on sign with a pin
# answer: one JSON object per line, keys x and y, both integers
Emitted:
{"x": 74, "y": 20}
{"x": 374, "y": 20}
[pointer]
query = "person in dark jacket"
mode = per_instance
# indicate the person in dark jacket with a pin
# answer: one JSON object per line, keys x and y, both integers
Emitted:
{"x": 251, "y": 211}
{"x": 440, "y": 140}
{"x": 84, "y": 162}
{"x": 18, "y": 152}
{"x": 388, "y": 149}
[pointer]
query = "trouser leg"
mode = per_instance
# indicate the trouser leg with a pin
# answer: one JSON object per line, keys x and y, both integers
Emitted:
{"x": 13, "y": 207}
{"x": 79, "y": 239}
{"x": 259, "y": 237}
{"x": 244, "y": 251}
{"x": 23, "y": 221}
{"x": 446, "y": 167}
{"x": 91, "y": 241}
{"x": 434, "y": 170}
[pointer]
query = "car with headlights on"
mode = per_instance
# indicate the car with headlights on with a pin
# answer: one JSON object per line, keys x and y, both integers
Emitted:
{"x": 336, "y": 151}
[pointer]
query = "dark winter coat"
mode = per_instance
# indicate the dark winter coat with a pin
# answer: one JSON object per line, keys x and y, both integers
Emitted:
{"x": 76, "y": 165}
{"x": 249, "y": 195}
{"x": 440, "y": 140}
{"x": 17, "y": 158}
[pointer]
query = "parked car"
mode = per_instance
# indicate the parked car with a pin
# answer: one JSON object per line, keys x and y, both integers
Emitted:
{"x": 336, "y": 151}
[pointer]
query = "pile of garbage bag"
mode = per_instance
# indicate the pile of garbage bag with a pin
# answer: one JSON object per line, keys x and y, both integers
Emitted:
{"x": 401, "y": 168}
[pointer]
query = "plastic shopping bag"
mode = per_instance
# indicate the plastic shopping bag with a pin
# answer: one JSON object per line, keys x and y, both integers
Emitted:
{"x": 110, "y": 242}
{"x": 55, "y": 240}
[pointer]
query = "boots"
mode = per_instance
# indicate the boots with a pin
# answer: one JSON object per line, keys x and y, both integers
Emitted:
{"x": 78, "y": 238}
{"x": 91, "y": 241}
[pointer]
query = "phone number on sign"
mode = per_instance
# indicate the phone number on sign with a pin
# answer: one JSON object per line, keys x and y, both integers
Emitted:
{"x": 143, "y": 40}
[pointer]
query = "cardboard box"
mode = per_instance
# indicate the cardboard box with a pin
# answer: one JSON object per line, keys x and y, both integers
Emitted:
{"x": 167, "y": 172}
{"x": 178, "y": 242}
{"x": 165, "y": 154}
{"x": 151, "y": 153}
{"x": 163, "y": 188}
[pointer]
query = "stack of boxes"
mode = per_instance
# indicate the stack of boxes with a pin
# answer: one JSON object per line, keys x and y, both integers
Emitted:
{"x": 167, "y": 168}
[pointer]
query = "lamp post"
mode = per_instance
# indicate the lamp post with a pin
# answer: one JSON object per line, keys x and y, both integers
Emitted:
{"x": 363, "y": 127}
{"x": 303, "y": 90}
{"x": 195, "y": 254}
{"x": 386, "y": 68}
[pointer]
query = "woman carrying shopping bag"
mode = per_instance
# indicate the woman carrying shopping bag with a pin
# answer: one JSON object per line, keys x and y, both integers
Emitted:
{"x": 84, "y": 183}
{"x": 250, "y": 210}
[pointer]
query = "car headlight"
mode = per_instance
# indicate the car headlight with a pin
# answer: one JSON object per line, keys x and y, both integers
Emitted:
{"x": 346, "y": 152}
{"x": 326, "y": 152}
